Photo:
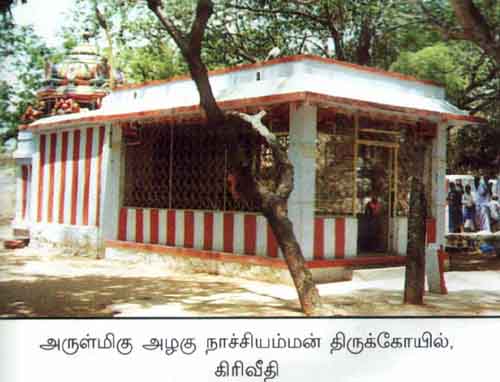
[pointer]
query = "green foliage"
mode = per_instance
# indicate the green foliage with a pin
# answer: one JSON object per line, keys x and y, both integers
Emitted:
{"x": 387, "y": 34}
{"x": 368, "y": 32}
{"x": 476, "y": 149}
{"x": 472, "y": 82}
{"x": 439, "y": 63}
{"x": 150, "y": 62}
{"x": 141, "y": 49}
{"x": 21, "y": 63}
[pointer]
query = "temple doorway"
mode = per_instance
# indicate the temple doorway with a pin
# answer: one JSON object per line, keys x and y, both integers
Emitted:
{"x": 376, "y": 172}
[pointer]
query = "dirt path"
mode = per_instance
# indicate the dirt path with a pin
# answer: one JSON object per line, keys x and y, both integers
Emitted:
{"x": 48, "y": 283}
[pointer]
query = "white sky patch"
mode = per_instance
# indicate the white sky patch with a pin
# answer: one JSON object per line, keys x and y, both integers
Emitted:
{"x": 47, "y": 17}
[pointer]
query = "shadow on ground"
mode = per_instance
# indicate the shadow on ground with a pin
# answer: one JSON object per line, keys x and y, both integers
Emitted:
{"x": 34, "y": 284}
{"x": 382, "y": 302}
{"x": 98, "y": 295}
{"x": 50, "y": 284}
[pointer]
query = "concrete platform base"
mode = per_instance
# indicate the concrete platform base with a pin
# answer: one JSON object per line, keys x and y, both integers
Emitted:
{"x": 217, "y": 263}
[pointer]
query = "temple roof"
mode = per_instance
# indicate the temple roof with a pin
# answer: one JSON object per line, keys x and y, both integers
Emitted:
{"x": 290, "y": 79}
{"x": 83, "y": 72}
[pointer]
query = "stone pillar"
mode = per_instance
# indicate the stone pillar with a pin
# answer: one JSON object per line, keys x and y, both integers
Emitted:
{"x": 110, "y": 197}
{"x": 438, "y": 181}
{"x": 302, "y": 153}
{"x": 439, "y": 206}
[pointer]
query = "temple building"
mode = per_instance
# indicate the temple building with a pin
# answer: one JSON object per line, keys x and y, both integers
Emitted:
{"x": 136, "y": 173}
{"x": 76, "y": 84}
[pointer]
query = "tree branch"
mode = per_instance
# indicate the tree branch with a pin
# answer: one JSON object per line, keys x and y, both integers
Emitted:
{"x": 256, "y": 122}
{"x": 101, "y": 19}
{"x": 204, "y": 10}
{"x": 476, "y": 27}
{"x": 281, "y": 12}
{"x": 173, "y": 31}
{"x": 285, "y": 168}
{"x": 191, "y": 50}
{"x": 105, "y": 26}
{"x": 240, "y": 49}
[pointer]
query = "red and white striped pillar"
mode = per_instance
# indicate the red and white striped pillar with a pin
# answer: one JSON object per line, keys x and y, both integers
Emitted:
{"x": 67, "y": 168}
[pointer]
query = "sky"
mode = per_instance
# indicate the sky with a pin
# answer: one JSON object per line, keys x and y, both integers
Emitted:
{"x": 46, "y": 17}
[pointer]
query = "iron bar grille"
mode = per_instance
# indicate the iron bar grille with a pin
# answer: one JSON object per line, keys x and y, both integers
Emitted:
{"x": 334, "y": 166}
{"x": 179, "y": 167}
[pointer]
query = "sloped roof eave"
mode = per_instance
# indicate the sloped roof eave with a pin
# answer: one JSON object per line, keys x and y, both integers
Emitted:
{"x": 98, "y": 117}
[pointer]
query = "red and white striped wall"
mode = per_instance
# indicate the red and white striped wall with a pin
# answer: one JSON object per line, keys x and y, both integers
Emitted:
{"x": 23, "y": 193}
{"x": 335, "y": 238}
{"x": 400, "y": 233}
{"x": 232, "y": 232}
{"x": 67, "y": 176}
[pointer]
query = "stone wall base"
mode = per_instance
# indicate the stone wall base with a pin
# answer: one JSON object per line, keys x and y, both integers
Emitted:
{"x": 78, "y": 239}
{"x": 194, "y": 261}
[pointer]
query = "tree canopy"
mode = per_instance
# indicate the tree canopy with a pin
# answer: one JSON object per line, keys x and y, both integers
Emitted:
{"x": 454, "y": 43}
{"x": 22, "y": 55}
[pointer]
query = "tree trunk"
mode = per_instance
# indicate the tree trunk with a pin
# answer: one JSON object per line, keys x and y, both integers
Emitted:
{"x": 339, "y": 44}
{"x": 476, "y": 28}
{"x": 111, "y": 60}
{"x": 232, "y": 125}
{"x": 273, "y": 200}
{"x": 302, "y": 277}
{"x": 105, "y": 26}
{"x": 415, "y": 254}
{"x": 363, "y": 56}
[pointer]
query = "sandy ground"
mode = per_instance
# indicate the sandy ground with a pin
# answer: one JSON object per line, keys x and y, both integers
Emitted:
{"x": 52, "y": 283}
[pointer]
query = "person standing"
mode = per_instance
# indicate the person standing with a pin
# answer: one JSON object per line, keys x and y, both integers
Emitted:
{"x": 373, "y": 213}
{"x": 454, "y": 209}
{"x": 494, "y": 207}
{"x": 469, "y": 209}
{"x": 482, "y": 205}
{"x": 496, "y": 187}
{"x": 460, "y": 188}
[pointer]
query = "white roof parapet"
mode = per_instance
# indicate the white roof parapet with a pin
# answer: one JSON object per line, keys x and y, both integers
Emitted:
{"x": 298, "y": 74}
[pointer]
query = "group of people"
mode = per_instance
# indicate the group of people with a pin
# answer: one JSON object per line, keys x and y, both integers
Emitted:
{"x": 473, "y": 210}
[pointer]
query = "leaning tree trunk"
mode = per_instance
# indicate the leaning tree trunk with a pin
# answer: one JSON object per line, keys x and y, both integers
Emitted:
{"x": 231, "y": 124}
{"x": 415, "y": 254}
{"x": 273, "y": 198}
{"x": 283, "y": 231}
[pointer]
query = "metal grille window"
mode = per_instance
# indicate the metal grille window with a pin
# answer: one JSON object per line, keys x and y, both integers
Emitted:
{"x": 359, "y": 156}
{"x": 334, "y": 166}
{"x": 147, "y": 167}
{"x": 177, "y": 167}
